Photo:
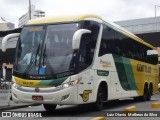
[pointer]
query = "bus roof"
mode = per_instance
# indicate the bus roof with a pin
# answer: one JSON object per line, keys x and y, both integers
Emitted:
{"x": 61, "y": 19}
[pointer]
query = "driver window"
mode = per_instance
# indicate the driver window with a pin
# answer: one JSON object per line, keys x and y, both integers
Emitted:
{"x": 88, "y": 44}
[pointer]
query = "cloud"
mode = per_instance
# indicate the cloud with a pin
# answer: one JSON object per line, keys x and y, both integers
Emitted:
{"x": 113, "y": 10}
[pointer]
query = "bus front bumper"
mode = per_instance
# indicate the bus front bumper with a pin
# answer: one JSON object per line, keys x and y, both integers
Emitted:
{"x": 65, "y": 96}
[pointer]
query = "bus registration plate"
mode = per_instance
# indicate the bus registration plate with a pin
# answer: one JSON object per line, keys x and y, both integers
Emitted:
{"x": 38, "y": 98}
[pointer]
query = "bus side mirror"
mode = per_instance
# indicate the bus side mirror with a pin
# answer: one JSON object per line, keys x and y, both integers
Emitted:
{"x": 7, "y": 38}
{"x": 77, "y": 37}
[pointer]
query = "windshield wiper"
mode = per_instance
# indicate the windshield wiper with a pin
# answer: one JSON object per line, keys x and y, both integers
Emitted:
{"x": 45, "y": 60}
{"x": 44, "y": 55}
{"x": 33, "y": 58}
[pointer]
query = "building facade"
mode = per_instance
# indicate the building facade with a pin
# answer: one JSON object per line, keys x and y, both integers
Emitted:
{"x": 34, "y": 14}
{"x": 7, "y": 58}
{"x": 146, "y": 28}
{"x": 6, "y": 26}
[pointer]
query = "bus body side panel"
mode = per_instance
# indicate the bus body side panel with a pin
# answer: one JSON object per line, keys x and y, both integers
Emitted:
{"x": 106, "y": 71}
{"x": 85, "y": 87}
{"x": 145, "y": 73}
{"x": 134, "y": 74}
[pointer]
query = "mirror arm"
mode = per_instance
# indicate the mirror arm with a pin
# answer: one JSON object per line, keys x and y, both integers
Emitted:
{"x": 77, "y": 37}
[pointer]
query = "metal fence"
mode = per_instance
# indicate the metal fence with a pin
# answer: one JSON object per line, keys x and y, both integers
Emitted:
{"x": 5, "y": 93}
{"x": 5, "y": 87}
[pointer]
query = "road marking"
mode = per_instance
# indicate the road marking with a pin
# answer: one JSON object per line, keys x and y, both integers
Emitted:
{"x": 155, "y": 105}
{"x": 130, "y": 109}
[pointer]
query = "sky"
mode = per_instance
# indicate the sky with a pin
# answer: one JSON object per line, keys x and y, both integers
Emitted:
{"x": 112, "y": 10}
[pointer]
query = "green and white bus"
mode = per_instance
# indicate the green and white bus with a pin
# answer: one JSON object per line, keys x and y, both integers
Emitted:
{"x": 79, "y": 60}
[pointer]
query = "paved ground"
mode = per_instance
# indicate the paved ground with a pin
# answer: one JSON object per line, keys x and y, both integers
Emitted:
{"x": 65, "y": 112}
{"x": 7, "y": 104}
{"x": 13, "y": 105}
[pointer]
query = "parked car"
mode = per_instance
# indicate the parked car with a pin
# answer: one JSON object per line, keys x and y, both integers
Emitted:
{"x": 159, "y": 87}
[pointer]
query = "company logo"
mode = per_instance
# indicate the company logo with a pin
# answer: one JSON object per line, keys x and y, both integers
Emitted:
{"x": 37, "y": 89}
{"x": 143, "y": 68}
{"x": 85, "y": 95}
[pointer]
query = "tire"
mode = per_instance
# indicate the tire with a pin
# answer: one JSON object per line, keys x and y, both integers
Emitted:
{"x": 149, "y": 93}
{"x": 49, "y": 107}
{"x": 144, "y": 96}
{"x": 98, "y": 105}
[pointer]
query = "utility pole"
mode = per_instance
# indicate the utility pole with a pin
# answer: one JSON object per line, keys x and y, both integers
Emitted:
{"x": 156, "y": 16}
{"x": 30, "y": 10}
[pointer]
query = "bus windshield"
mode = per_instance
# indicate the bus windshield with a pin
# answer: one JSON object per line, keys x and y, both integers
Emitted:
{"x": 45, "y": 50}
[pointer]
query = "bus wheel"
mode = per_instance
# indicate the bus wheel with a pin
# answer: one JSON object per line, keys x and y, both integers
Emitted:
{"x": 149, "y": 93}
{"x": 145, "y": 94}
{"x": 49, "y": 107}
{"x": 98, "y": 105}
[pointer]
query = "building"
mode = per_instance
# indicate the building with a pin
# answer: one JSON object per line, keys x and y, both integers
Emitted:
{"x": 146, "y": 28}
{"x": 34, "y": 14}
{"x": 7, "y": 58}
{"x": 6, "y": 26}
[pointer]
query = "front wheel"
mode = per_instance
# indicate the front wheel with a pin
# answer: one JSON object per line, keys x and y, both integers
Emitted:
{"x": 98, "y": 105}
{"x": 49, "y": 107}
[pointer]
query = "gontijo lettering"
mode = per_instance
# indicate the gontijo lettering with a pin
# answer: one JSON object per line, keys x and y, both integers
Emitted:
{"x": 143, "y": 68}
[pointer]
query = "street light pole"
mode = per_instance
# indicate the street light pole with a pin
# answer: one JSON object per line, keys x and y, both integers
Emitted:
{"x": 156, "y": 15}
{"x": 156, "y": 9}
{"x": 30, "y": 9}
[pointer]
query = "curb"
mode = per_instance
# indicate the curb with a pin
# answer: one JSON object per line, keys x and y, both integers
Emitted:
{"x": 130, "y": 109}
{"x": 155, "y": 105}
{"x": 99, "y": 118}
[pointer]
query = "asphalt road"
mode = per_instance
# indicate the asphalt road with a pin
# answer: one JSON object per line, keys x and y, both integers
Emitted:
{"x": 87, "y": 113}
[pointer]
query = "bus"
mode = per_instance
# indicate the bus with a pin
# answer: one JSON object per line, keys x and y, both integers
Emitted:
{"x": 82, "y": 59}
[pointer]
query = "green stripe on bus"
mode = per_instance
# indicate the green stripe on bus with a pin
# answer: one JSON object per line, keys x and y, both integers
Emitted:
{"x": 125, "y": 73}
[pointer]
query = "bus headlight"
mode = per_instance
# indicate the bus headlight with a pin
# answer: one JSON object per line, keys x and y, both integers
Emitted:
{"x": 69, "y": 84}
{"x": 15, "y": 85}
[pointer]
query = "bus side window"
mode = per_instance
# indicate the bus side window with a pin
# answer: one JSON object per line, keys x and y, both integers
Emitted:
{"x": 106, "y": 41}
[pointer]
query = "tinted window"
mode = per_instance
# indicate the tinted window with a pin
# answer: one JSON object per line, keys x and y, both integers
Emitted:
{"x": 115, "y": 42}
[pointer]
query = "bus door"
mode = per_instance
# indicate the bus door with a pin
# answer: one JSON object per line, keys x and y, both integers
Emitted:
{"x": 86, "y": 53}
{"x": 85, "y": 87}
{"x": 115, "y": 86}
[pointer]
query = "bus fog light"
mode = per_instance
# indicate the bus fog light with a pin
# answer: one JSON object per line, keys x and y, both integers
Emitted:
{"x": 65, "y": 97}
